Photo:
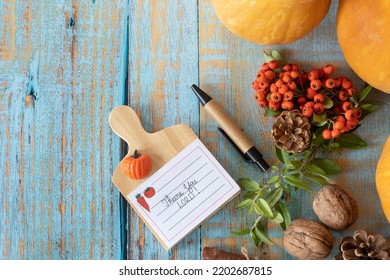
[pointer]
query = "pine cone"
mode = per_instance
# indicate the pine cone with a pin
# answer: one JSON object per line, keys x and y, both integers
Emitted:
{"x": 364, "y": 246}
{"x": 291, "y": 131}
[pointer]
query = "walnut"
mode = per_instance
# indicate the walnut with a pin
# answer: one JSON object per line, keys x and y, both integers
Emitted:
{"x": 307, "y": 240}
{"x": 335, "y": 207}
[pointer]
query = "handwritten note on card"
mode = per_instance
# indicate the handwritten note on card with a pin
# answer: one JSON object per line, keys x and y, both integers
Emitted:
{"x": 183, "y": 193}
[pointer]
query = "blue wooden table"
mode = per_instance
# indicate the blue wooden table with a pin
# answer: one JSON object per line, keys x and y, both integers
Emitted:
{"x": 64, "y": 65}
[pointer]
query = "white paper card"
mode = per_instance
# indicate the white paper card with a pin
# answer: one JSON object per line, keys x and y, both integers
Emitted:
{"x": 183, "y": 193}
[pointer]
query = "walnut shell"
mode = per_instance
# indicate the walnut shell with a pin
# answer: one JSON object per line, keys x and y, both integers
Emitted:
{"x": 307, "y": 240}
{"x": 335, "y": 207}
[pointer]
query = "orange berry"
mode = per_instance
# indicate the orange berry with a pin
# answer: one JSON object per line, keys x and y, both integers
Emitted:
{"x": 279, "y": 83}
{"x": 329, "y": 83}
{"x": 288, "y": 95}
{"x": 337, "y": 82}
{"x": 350, "y": 115}
{"x": 309, "y": 104}
{"x": 351, "y": 91}
{"x": 287, "y": 105}
{"x": 319, "y": 97}
{"x": 318, "y": 108}
{"x": 301, "y": 100}
{"x": 359, "y": 113}
{"x": 274, "y": 64}
{"x": 346, "y": 106}
{"x": 307, "y": 112}
{"x": 265, "y": 66}
{"x": 263, "y": 85}
{"x": 315, "y": 84}
{"x": 270, "y": 75}
{"x": 292, "y": 85}
{"x": 255, "y": 85}
{"x": 287, "y": 67}
{"x": 310, "y": 93}
{"x": 340, "y": 119}
{"x": 283, "y": 88}
{"x": 273, "y": 88}
{"x": 260, "y": 96}
{"x": 335, "y": 133}
{"x": 351, "y": 124}
{"x": 327, "y": 134}
{"x": 313, "y": 75}
{"x": 276, "y": 97}
{"x": 338, "y": 125}
{"x": 287, "y": 79}
{"x": 328, "y": 69}
{"x": 263, "y": 103}
{"x": 343, "y": 95}
{"x": 294, "y": 74}
{"x": 294, "y": 67}
{"x": 346, "y": 83}
{"x": 274, "y": 105}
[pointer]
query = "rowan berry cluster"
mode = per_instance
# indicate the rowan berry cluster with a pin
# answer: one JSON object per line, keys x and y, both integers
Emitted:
{"x": 328, "y": 101}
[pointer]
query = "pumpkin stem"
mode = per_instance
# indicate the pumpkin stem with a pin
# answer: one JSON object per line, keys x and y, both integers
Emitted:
{"x": 135, "y": 155}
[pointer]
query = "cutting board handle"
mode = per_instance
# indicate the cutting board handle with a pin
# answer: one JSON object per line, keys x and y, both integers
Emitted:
{"x": 125, "y": 122}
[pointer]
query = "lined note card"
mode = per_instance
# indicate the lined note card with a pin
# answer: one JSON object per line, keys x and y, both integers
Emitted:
{"x": 183, "y": 193}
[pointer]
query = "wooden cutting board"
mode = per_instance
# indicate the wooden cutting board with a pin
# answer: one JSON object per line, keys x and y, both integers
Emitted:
{"x": 188, "y": 184}
{"x": 161, "y": 146}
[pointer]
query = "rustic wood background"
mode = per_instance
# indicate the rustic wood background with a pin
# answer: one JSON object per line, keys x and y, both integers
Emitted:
{"x": 65, "y": 64}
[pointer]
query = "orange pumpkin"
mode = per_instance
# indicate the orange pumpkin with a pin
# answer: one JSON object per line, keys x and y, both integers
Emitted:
{"x": 382, "y": 178}
{"x": 270, "y": 22}
{"x": 137, "y": 166}
{"x": 364, "y": 36}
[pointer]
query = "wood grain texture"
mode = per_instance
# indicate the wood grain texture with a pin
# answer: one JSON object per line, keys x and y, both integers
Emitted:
{"x": 227, "y": 68}
{"x": 57, "y": 200}
{"x": 163, "y": 64}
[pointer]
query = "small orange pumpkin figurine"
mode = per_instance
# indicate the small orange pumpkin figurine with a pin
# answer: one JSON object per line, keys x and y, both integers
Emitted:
{"x": 137, "y": 166}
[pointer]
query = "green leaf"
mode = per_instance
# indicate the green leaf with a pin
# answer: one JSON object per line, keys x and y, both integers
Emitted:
{"x": 260, "y": 233}
{"x": 296, "y": 163}
{"x": 273, "y": 179}
{"x": 294, "y": 180}
{"x": 317, "y": 139}
{"x": 282, "y": 209}
{"x": 328, "y": 102}
{"x": 277, "y": 218}
{"x": 277, "y": 56}
{"x": 335, "y": 145}
{"x": 274, "y": 169}
{"x": 274, "y": 55}
{"x": 314, "y": 169}
{"x": 257, "y": 209}
{"x": 250, "y": 195}
{"x": 248, "y": 184}
{"x": 255, "y": 238}
{"x": 268, "y": 112}
{"x": 318, "y": 179}
{"x": 245, "y": 203}
{"x": 364, "y": 93}
{"x": 282, "y": 155}
{"x": 274, "y": 196}
{"x": 329, "y": 166}
{"x": 319, "y": 120}
{"x": 265, "y": 208}
{"x": 369, "y": 108}
{"x": 241, "y": 232}
{"x": 351, "y": 141}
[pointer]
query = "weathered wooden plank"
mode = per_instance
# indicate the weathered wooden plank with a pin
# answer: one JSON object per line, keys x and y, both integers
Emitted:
{"x": 227, "y": 68}
{"x": 57, "y": 199}
{"x": 163, "y": 64}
